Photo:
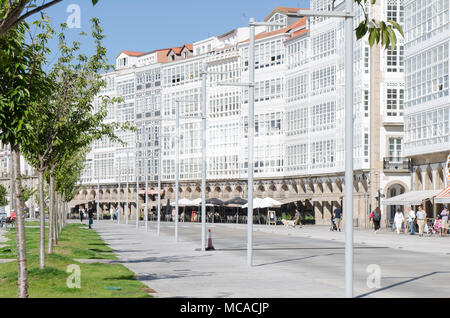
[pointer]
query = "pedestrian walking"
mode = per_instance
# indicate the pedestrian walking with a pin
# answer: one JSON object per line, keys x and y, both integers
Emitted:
{"x": 398, "y": 220}
{"x": 91, "y": 216}
{"x": 411, "y": 219}
{"x": 338, "y": 218}
{"x": 376, "y": 218}
{"x": 444, "y": 221}
{"x": 421, "y": 217}
{"x": 117, "y": 213}
{"x": 297, "y": 218}
{"x": 81, "y": 215}
{"x": 437, "y": 226}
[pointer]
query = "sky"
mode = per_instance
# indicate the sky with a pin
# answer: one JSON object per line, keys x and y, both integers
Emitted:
{"x": 146, "y": 25}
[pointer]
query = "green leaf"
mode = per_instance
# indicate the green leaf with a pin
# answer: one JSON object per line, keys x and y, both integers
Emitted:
{"x": 397, "y": 26}
{"x": 393, "y": 38}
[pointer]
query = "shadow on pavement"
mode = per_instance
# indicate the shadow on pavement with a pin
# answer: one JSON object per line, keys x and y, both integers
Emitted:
{"x": 400, "y": 283}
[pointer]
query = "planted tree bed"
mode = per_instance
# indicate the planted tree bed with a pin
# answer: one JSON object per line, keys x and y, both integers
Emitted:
{"x": 74, "y": 243}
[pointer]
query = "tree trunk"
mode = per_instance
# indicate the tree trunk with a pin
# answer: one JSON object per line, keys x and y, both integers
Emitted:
{"x": 50, "y": 216}
{"x": 42, "y": 220}
{"x": 12, "y": 187}
{"x": 55, "y": 233}
{"x": 22, "y": 270}
{"x": 59, "y": 213}
{"x": 63, "y": 211}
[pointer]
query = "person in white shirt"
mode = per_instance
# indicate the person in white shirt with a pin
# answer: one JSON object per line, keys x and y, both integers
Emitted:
{"x": 421, "y": 219}
{"x": 444, "y": 215}
{"x": 398, "y": 220}
{"x": 411, "y": 218}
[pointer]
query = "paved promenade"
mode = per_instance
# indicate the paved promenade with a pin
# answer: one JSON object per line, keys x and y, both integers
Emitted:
{"x": 307, "y": 262}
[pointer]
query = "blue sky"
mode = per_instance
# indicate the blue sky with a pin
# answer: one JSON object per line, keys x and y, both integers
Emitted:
{"x": 146, "y": 25}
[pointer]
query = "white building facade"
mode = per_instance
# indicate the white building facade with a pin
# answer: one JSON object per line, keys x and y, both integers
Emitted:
{"x": 427, "y": 100}
{"x": 299, "y": 118}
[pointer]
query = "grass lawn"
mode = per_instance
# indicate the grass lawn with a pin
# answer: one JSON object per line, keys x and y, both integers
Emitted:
{"x": 75, "y": 242}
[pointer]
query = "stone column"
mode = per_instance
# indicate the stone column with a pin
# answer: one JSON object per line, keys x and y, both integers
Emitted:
{"x": 317, "y": 214}
{"x": 424, "y": 176}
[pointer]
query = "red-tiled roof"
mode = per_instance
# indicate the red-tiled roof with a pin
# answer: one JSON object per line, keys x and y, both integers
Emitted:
{"x": 293, "y": 26}
{"x": 299, "y": 32}
{"x": 283, "y": 10}
{"x": 161, "y": 55}
{"x": 131, "y": 53}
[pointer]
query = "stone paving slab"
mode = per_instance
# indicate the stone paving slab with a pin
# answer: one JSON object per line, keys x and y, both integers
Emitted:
{"x": 384, "y": 237}
{"x": 285, "y": 265}
{"x": 102, "y": 261}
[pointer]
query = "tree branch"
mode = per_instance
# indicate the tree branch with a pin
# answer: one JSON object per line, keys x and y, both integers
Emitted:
{"x": 14, "y": 17}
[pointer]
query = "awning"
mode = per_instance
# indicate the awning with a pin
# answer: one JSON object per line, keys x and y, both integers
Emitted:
{"x": 151, "y": 192}
{"x": 411, "y": 198}
{"x": 443, "y": 196}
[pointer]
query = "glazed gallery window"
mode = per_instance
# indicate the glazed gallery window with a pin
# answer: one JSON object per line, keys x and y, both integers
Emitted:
{"x": 323, "y": 80}
{"x": 395, "y": 10}
{"x": 189, "y": 102}
{"x": 266, "y": 90}
{"x": 227, "y": 71}
{"x": 394, "y": 101}
{"x": 126, "y": 89}
{"x": 125, "y": 112}
{"x": 425, "y": 19}
{"x": 297, "y": 158}
{"x": 268, "y": 158}
{"x": 366, "y": 103}
{"x": 394, "y": 59}
{"x": 268, "y": 124}
{"x": 427, "y": 128}
{"x": 395, "y": 149}
{"x": 428, "y": 75}
{"x": 277, "y": 18}
{"x": 223, "y": 165}
{"x": 182, "y": 74}
{"x": 323, "y": 45}
{"x": 297, "y": 53}
{"x": 224, "y": 104}
{"x": 323, "y": 154}
{"x": 269, "y": 53}
{"x": 103, "y": 166}
{"x": 323, "y": 116}
{"x": 297, "y": 122}
{"x": 297, "y": 88}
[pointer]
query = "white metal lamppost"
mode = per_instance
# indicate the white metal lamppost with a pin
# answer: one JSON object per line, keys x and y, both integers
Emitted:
{"x": 118, "y": 194}
{"x": 251, "y": 130}
{"x": 348, "y": 15}
{"x": 137, "y": 214}
{"x": 128, "y": 174}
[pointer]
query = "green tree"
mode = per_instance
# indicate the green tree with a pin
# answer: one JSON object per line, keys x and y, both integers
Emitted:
{"x": 66, "y": 120}
{"x": 12, "y": 11}
{"x": 3, "y": 193}
{"x": 22, "y": 82}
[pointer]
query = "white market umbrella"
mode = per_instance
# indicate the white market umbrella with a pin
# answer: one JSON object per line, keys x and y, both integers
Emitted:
{"x": 185, "y": 202}
{"x": 198, "y": 202}
{"x": 269, "y": 202}
{"x": 256, "y": 203}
